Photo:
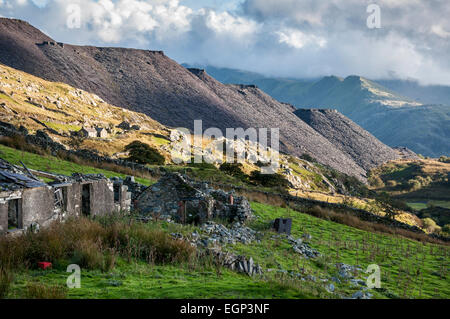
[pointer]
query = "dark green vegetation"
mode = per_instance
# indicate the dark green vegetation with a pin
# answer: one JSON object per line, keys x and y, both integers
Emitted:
{"x": 269, "y": 180}
{"x": 144, "y": 154}
{"x": 256, "y": 177}
{"x": 384, "y": 113}
{"x": 423, "y": 185}
{"x": 125, "y": 259}
{"x": 412, "y": 181}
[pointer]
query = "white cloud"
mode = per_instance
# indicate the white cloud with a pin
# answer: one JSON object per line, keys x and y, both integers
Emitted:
{"x": 225, "y": 23}
{"x": 296, "y": 38}
{"x": 439, "y": 31}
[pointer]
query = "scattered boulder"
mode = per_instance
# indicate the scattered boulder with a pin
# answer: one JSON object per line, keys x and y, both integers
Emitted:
{"x": 362, "y": 294}
{"x": 303, "y": 248}
{"x": 347, "y": 272}
{"x": 236, "y": 263}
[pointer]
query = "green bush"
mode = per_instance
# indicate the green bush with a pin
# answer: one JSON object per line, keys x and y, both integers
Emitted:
{"x": 144, "y": 154}
{"x": 446, "y": 229}
{"x": 202, "y": 166}
{"x": 233, "y": 169}
{"x": 269, "y": 180}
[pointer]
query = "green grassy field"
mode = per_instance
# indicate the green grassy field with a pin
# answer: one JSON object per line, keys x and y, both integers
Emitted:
{"x": 141, "y": 281}
{"x": 424, "y": 204}
{"x": 55, "y": 165}
{"x": 409, "y": 269}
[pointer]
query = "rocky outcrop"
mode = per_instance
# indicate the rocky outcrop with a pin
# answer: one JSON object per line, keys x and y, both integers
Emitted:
{"x": 406, "y": 153}
{"x": 235, "y": 262}
{"x": 185, "y": 201}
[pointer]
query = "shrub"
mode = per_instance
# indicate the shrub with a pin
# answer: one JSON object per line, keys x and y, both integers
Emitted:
{"x": 446, "y": 228}
{"x": 152, "y": 245}
{"x": 430, "y": 225}
{"x": 392, "y": 183}
{"x": 233, "y": 169}
{"x": 144, "y": 154}
{"x": 444, "y": 159}
{"x": 88, "y": 255}
{"x": 376, "y": 181}
{"x": 202, "y": 165}
{"x": 269, "y": 180}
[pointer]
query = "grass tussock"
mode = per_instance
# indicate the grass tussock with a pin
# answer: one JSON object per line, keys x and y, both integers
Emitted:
{"x": 6, "y": 280}
{"x": 36, "y": 290}
{"x": 94, "y": 244}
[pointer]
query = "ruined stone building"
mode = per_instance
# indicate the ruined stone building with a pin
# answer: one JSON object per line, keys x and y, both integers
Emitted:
{"x": 101, "y": 132}
{"x": 186, "y": 201}
{"x": 26, "y": 202}
{"x": 87, "y": 132}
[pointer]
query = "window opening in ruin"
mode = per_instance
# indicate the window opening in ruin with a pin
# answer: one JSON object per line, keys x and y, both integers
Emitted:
{"x": 61, "y": 198}
{"x": 116, "y": 193}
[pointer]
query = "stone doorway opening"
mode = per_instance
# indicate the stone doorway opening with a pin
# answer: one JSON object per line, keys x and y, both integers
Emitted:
{"x": 86, "y": 199}
{"x": 14, "y": 214}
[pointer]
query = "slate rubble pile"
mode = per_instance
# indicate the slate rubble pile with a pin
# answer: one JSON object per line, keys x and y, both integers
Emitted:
{"x": 218, "y": 233}
{"x": 303, "y": 248}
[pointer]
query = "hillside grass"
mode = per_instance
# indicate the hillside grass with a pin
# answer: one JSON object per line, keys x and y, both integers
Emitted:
{"x": 141, "y": 281}
{"x": 55, "y": 165}
{"x": 409, "y": 269}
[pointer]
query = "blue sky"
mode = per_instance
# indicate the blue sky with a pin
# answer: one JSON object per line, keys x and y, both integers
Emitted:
{"x": 294, "y": 38}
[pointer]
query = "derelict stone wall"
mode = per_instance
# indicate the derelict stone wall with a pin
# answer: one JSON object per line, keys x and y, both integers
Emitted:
{"x": 3, "y": 217}
{"x": 102, "y": 198}
{"x": 38, "y": 205}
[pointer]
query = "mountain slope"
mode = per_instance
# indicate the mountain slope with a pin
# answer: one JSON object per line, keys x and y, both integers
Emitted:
{"x": 350, "y": 138}
{"x": 426, "y": 94}
{"x": 150, "y": 82}
{"x": 394, "y": 119}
